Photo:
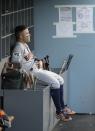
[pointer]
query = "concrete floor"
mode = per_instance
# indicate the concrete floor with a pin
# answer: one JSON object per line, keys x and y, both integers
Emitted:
{"x": 78, "y": 123}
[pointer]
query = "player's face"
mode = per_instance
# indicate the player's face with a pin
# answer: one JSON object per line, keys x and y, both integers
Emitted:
{"x": 25, "y": 36}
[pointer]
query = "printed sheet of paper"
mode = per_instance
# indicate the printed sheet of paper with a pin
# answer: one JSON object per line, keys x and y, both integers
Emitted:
{"x": 64, "y": 29}
{"x": 65, "y": 14}
{"x": 84, "y": 19}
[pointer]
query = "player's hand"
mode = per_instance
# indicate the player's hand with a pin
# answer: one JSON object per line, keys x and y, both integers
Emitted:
{"x": 39, "y": 64}
{"x": 29, "y": 56}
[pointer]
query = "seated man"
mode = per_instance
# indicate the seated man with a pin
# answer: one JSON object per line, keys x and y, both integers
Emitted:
{"x": 22, "y": 54}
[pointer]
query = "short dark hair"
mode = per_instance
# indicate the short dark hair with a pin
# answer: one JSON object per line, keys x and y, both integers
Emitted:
{"x": 18, "y": 30}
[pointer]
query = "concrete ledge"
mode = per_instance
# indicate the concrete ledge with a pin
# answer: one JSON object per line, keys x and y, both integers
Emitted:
{"x": 33, "y": 109}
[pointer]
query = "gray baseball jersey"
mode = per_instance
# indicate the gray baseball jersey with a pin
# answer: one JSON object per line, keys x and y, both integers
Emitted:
{"x": 18, "y": 56}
